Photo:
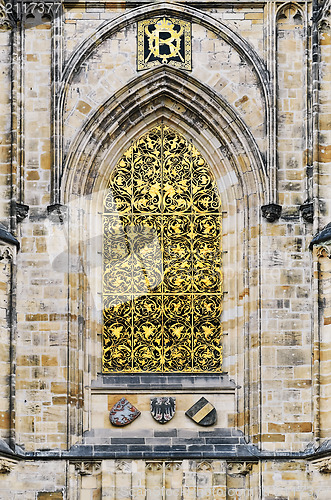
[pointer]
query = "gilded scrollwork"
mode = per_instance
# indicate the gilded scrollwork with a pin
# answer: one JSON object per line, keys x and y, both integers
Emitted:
{"x": 162, "y": 281}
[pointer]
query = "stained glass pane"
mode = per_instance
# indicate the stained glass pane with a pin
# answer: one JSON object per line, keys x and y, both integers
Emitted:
{"x": 162, "y": 269}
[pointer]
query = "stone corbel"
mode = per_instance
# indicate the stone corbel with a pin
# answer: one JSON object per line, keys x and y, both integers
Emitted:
{"x": 6, "y": 465}
{"x": 323, "y": 466}
{"x": 87, "y": 468}
{"x": 307, "y": 211}
{"x": 271, "y": 212}
{"x": 57, "y": 213}
{"x": 239, "y": 468}
{"x": 21, "y": 212}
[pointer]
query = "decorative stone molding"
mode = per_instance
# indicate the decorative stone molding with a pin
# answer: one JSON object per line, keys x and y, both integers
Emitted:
{"x": 173, "y": 465}
{"x": 153, "y": 466}
{"x": 35, "y": 17}
{"x": 290, "y": 12}
{"x": 6, "y": 466}
{"x": 125, "y": 467}
{"x": 271, "y": 212}
{"x": 323, "y": 466}
{"x": 57, "y": 213}
{"x": 6, "y": 252}
{"x": 324, "y": 17}
{"x": 239, "y": 468}
{"x": 128, "y": 99}
{"x": 307, "y": 211}
{"x": 322, "y": 240}
{"x": 87, "y": 468}
{"x": 22, "y": 212}
{"x": 324, "y": 25}
{"x": 324, "y": 250}
{"x": 204, "y": 466}
{"x": 109, "y": 28}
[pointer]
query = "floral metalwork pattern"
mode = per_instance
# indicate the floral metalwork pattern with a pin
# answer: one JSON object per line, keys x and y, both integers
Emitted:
{"x": 162, "y": 279}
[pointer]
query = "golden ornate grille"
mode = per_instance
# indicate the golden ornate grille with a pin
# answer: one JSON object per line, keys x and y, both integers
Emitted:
{"x": 162, "y": 279}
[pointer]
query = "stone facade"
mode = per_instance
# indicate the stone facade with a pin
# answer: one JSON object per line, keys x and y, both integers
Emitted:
{"x": 257, "y": 105}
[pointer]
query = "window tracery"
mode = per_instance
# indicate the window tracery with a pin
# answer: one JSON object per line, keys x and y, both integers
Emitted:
{"x": 162, "y": 277}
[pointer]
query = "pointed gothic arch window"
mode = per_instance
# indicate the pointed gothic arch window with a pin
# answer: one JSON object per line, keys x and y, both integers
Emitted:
{"x": 162, "y": 276}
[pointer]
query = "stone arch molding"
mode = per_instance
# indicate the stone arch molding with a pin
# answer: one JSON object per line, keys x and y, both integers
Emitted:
{"x": 193, "y": 108}
{"x": 288, "y": 11}
{"x": 109, "y": 28}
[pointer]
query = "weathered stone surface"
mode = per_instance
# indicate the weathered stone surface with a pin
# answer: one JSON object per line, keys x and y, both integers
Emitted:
{"x": 257, "y": 106}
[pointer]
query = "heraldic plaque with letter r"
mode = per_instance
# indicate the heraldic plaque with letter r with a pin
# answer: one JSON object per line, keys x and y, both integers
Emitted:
{"x": 164, "y": 41}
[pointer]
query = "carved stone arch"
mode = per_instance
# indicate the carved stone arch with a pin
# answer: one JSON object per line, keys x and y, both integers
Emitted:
{"x": 110, "y": 27}
{"x": 165, "y": 92}
{"x": 164, "y": 8}
{"x": 290, "y": 13}
{"x": 201, "y": 115}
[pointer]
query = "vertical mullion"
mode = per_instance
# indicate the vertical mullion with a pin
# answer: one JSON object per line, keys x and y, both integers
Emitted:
{"x": 162, "y": 251}
{"x": 131, "y": 258}
{"x": 192, "y": 262}
{"x": 103, "y": 284}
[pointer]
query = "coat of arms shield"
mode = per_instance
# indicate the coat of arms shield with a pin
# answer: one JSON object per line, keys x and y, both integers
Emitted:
{"x": 123, "y": 413}
{"x": 163, "y": 409}
{"x": 202, "y": 413}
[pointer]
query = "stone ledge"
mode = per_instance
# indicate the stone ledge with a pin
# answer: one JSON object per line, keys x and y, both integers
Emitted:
{"x": 168, "y": 382}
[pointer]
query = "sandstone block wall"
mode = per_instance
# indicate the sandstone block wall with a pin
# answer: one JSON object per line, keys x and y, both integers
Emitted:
{"x": 257, "y": 106}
